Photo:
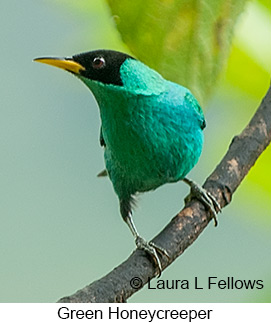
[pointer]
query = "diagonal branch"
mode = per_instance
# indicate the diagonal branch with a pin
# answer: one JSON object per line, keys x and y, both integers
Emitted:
{"x": 187, "y": 225}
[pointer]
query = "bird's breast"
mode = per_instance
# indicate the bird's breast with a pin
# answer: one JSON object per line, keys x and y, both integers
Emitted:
{"x": 147, "y": 144}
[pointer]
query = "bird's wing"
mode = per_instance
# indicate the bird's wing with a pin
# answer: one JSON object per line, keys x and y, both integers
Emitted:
{"x": 191, "y": 100}
{"x": 103, "y": 173}
{"x": 102, "y": 142}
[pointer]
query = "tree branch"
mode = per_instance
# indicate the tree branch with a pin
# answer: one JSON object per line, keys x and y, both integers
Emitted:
{"x": 187, "y": 225}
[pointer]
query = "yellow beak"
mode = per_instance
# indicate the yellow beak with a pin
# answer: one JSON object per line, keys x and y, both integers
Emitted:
{"x": 66, "y": 64}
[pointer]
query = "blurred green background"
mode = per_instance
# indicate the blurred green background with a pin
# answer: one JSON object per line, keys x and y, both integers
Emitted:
{"x": 60, "y": 224}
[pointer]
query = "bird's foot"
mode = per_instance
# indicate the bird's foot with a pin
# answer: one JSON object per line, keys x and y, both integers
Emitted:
{"x": 205, "y": 197}
{"x": 153, "y": 250}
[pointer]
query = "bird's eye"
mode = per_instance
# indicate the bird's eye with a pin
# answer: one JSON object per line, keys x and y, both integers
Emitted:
{"x": 98, "y": 63}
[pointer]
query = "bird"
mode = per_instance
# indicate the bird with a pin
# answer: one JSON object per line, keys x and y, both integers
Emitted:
{"x": 151, "y": 130}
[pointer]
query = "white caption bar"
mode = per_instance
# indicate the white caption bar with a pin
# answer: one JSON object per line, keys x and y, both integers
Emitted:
{"x": 154, "y": 312}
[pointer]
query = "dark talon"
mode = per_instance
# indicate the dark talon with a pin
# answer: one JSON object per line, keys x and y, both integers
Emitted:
{"x": 152, "y": 249}
{"x": 205, "y": 197}
{"x": 160, "y": 250}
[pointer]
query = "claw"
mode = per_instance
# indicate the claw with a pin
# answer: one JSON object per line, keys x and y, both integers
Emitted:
{"x": 205, "y": 197}
{"x": 152, "y": 249}
{"x": 160, "y": 250}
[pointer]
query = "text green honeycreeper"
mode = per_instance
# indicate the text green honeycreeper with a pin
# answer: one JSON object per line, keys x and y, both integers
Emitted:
{"x": 152, "y": 129}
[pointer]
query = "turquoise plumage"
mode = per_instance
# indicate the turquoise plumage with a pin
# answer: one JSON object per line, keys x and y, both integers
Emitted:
{"x": 151, "y": 128}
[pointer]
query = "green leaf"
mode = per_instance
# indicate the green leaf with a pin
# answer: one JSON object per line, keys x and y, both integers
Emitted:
{"x": 187, "y": 41}
{"x": 265, "y": 3}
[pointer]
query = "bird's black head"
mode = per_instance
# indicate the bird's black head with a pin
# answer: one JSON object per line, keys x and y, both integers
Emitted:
{"x": 102, "y": 65}
{"x": 99, "y": 65}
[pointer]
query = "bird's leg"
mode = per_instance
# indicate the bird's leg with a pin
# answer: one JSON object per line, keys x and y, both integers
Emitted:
{"x": 205, "y": 197}
{"x": 151, "y": 248}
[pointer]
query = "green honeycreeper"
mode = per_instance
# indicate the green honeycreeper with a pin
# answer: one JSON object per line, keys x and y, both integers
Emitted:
{"x": 151, "y": 129}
